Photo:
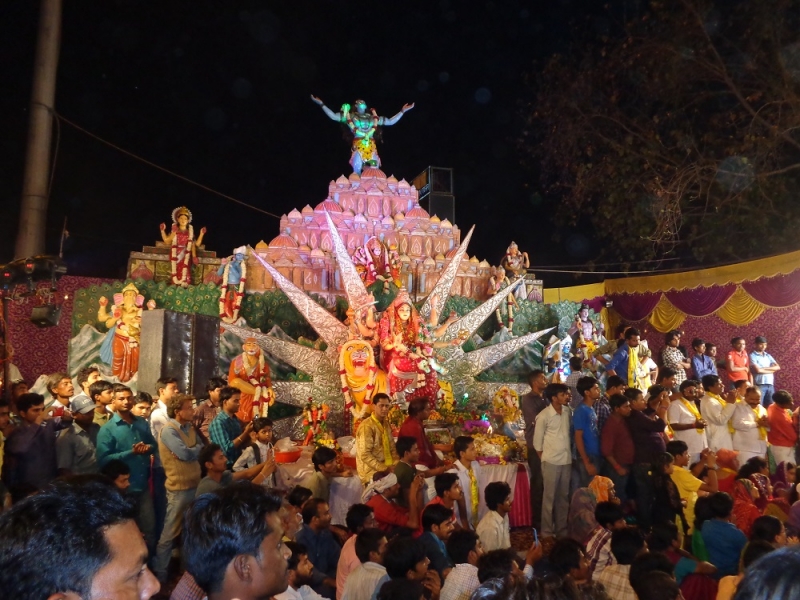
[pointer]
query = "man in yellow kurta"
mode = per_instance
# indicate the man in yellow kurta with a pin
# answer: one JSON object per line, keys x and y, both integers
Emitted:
{"x": 375, "y": 450}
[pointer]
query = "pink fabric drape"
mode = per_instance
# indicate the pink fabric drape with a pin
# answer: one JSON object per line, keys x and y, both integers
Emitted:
{"x": 44, "y": 351}
{"x": 635, "y": 307}
{"x": 701, "y": 301}
{"x": 783, "y": 290}
{"x": 781, "y": 326}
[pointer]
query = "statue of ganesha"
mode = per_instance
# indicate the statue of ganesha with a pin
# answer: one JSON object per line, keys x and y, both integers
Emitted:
{"x": 183, "y": 253}
{"x": 361, "y": 320}
{"x": 364, "y": 126}
{"x": 120, "y": 348}
{"x": 407, "y": 343}
{"x": 505, "y": 407}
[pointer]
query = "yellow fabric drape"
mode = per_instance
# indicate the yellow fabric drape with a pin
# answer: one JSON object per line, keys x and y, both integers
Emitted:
{"x": 665, "y": 317}
{"x": 740, "y": 309}
{"x": 575, "y": 293}
{"x": 747, "y": 271}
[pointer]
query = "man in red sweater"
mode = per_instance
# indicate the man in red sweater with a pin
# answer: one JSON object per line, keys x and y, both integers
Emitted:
{"x": 782, "y": 434}
{"x": 616, "y": 444}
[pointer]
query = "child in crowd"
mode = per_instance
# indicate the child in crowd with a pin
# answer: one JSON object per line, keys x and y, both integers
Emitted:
{"x": 259, "y": 450}
{"x": 142, "y": 404}
{"x": 494, "y": 530}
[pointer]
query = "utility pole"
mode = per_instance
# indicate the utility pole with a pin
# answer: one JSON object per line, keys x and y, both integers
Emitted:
{"x": 36, "y": 182}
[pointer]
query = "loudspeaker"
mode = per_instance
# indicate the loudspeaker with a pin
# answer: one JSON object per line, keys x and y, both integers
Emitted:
{"x": 441, "y": 205}
{"x": 180, "y": 345}
{"x": 46, "y": 316}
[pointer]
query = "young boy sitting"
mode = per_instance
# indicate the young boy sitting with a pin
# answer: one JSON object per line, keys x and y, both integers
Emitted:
{"x": 258, "y": 450}
{"x": 494, "y": 530}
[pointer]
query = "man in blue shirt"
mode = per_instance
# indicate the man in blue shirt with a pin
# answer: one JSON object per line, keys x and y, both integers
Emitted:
{"x": 723, "y": 540}
{"x": 618, "y": 365}
{"x": 226, "y": 429}
{"x": 437, "y": 523}
{"x": 587, "y": 434}
{"x": 764, "y": 367}
{"x": 323, "y": 549}
{"x": 702, "y": 364}
{"x": 127, "y": 438}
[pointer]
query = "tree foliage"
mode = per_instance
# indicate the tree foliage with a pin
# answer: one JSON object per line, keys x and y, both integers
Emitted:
{"x": 679, "y": 136}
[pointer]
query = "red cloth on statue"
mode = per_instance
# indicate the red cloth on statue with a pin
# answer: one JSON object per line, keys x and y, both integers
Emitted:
{"x": 126, "y": 357}
{"x": 256, "y": 376}
{"x": 181, "y": 248}
{"x": 403, "y": 370}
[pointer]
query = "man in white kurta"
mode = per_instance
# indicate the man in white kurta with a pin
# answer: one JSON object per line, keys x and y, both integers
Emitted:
{"x": 717, "y": 413}
{"x": 686, "y": 421}
{"x": 750, "y": 426}
{"x": 468, "y": 470}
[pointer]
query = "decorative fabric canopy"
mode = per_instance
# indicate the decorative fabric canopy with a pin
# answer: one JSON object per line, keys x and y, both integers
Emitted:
{"x": 737, "y": 304}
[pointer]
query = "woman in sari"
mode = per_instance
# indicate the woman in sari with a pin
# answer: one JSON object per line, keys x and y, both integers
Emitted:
{"x": 745, "y": 510}
{"x": 581, "y": 521}
{"x": 770, "y": 501}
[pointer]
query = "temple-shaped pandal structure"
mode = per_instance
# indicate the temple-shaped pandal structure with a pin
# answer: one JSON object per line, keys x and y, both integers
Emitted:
{"x": 361, "y": 207}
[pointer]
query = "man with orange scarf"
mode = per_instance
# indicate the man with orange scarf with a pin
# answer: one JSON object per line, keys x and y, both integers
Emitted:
{"x": 375, "y": 449}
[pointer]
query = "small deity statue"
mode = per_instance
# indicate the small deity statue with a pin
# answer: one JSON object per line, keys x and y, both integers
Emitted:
{"x": 497, "y": 282}
{"x": 407, "y": 343}
{"x": 361, "y": 321}
{"x": 362, "y": 125}
{"x": 120, "y": 348}
{"x": 376, "y": 264}
{"x": 249, "y": 374}
{"x": 315, "y": 416}
{"x": 361, "y": 377}
{"x": 516, "y": 264}
{"x": 586, "y": 325}
{"x": 505, "y": 407}
{"x": 234, "y": 276}
{"x": 181, "y": 239}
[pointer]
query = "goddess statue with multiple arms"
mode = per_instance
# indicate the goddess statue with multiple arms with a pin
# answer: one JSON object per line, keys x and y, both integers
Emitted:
{"x": 377, "y": 263}
{"x": 120, "y": 349}
{"x": 183, "y": 253}
{"x": 408, "y": 343}
{"x": 363, "y": 125}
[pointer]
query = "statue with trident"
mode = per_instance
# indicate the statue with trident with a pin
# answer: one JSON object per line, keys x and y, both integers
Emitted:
{"x": 363, "y": 124}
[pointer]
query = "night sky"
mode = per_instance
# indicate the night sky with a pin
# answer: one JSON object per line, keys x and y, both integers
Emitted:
{"x": 219, "y": 92}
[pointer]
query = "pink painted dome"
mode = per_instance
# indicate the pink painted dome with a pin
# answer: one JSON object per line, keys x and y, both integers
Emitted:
{"x": 284, "y": 240}
{"x": 329, "y": 205}
{"x": 373, "y": 172}
{"x": 417, "y": 213}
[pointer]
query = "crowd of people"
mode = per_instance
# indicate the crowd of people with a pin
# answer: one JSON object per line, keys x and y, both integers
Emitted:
{"x": 678, "y": 488}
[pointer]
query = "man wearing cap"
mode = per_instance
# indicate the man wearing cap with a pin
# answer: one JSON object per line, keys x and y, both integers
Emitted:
{"x": 763, "y": 366}
{"x": 76, "y": 452}
{"x": 381, "y": 496}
